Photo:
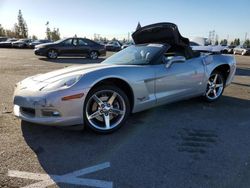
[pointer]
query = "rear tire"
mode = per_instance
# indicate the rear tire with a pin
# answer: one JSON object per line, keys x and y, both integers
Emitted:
{"x": 106, "y": 109}
{"x": 93, "y": 55}
{"x": 215, "y": 87}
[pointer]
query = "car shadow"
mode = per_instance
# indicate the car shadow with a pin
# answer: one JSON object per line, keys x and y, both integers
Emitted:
{"x": 63, "y": 150}
{"x": 71, "y": 60}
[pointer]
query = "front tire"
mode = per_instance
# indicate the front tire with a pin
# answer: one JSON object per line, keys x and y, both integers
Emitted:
{"x": 106, "y": 109}
{"x": 52, "y": 54}
{"x": 215, "y": 87}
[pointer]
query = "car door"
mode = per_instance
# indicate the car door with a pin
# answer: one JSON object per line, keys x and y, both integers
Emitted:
{"x": 83, "y": 47}
{"x": 180, "y": 80}
{"x": 68, "y": 47}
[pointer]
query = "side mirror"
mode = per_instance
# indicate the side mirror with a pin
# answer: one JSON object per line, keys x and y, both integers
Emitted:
{"x": 176, "y": 59}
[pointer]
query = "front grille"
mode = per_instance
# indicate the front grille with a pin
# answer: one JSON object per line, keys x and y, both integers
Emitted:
{"x": 28, "y": 111}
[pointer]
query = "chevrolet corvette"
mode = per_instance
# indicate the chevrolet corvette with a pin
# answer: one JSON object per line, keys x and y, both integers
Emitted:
{"x": 160, "y": 68}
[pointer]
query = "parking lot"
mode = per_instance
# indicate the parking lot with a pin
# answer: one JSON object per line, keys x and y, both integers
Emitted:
{"x": 190, "y": 144}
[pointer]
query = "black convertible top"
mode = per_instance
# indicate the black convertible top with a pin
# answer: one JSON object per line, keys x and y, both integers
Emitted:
{"x": 164, "y": 32}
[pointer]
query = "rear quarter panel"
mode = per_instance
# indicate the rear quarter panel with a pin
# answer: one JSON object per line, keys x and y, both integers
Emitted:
{"x": 213, "y": 61}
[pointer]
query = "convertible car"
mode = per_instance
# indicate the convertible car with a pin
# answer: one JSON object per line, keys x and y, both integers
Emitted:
{"x": 160, "y": 68}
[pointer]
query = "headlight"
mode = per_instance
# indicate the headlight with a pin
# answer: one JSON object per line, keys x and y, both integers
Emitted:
{"x": 62, "y": 84}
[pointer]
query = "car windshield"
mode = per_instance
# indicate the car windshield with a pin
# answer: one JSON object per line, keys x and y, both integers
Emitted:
{"x": 135, "y": 55}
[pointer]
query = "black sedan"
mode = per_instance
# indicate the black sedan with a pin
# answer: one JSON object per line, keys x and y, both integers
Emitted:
{"x": 37, "y": 42}
{"x": 21, "y": 43}
{"x": 71, "y": 47}
{"x": 7, "y": 43}
{"x": 113, "y": 46}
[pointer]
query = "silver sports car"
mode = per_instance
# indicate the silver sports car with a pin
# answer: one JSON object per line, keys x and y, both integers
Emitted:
{"x": 160, "y": 68}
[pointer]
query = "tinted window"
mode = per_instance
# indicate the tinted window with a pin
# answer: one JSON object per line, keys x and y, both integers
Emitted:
{"x": 89, "y": 42}
{"x": 68, "y": 42}
{"x": 82, "y": 42}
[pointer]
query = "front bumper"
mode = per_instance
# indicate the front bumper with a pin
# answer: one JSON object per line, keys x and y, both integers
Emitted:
{"x": 49, "y": 108}
{"x": 40, "y": 51}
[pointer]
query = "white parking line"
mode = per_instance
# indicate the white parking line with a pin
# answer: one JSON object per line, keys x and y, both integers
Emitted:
{"x": 46, "y": 180}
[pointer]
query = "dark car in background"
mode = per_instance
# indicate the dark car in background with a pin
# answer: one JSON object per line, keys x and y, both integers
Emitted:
{"x": 7, "y": 43}
{"x": 37, "y": 42}
{"x": 113, "y": 46}
{"x": 229, "y": 49}
{"x": 21, "y": 43}
{"x": 71, "y": 47}
{"x": 242, "y": 49}
{"x": 127, "y": 44}
{"x": 2, "y": 39}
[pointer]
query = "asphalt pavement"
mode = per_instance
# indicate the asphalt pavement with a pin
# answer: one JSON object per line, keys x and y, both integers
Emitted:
{"x": 191, "y": 143}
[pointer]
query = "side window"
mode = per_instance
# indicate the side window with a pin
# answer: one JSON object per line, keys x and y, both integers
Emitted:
{"x": 81, "y": 42}
{"x": 67, "y": 42}
{"x": 89, "y": 42}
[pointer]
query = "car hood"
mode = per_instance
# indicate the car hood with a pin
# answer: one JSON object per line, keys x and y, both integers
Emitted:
{"x": 45, "y": 45}
{"x": 56, "y": 75}
{"x": 160, "y": 33}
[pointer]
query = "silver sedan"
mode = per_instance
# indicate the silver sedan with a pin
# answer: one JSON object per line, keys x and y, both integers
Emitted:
{"x": 142, "y": 76}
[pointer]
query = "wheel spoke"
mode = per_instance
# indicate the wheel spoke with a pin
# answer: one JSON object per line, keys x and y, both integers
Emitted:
{"x": 218, "y": 85}
{"x": 107, "y": 121}
{"x": 117, "y": 111}
{"x": 215, "y": 79}
{"x": 112, "y": 98}
{"x": 94, "y": 115}
{"x": 209, "y": 91}
{"x": 209, "y": 82}
{"x": 99, "y": 101}
{"x": 215, "y": 93}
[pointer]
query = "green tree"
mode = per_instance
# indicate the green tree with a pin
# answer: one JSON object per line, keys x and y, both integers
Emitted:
{"x": 247, "y": 42}
{"x": 223, "y": 42}
{"x": 16, "y": 31}
{"x": 52, "y": 35}
{"x": 10, "y": 33}
{"x": 236, "y": 42}
{"x": 216, "y": 42}
{"x": 55, "y": 34}
{"x": 34, "y": 37}
{"x": 21, "y": 24}
{"x": 2, "y": 31}
{"x": 48, "y": 31}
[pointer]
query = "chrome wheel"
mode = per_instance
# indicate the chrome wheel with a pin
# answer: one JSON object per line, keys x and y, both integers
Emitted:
{"x": 105, "y": 110}
{"x": 52, "y": 54}
{"x": 215, "y": 87}
{"x": 93, "y": 55}
{"x": 243, "y": 52}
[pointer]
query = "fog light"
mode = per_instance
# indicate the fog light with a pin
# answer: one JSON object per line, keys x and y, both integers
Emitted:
{"x": 50, "y": 113}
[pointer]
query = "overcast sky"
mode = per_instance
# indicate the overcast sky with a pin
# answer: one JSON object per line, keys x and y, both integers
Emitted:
{"x": 115, "y": 18}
